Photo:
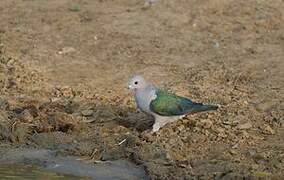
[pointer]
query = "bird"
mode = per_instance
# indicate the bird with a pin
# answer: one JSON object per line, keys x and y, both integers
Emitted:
{"x": 164, "y": 106}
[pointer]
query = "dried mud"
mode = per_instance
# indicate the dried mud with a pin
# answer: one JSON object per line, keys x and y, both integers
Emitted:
{"x": 64, "y": 67}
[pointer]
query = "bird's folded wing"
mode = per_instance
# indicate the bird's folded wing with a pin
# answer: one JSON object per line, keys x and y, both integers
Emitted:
{"x": 167, "y": 104}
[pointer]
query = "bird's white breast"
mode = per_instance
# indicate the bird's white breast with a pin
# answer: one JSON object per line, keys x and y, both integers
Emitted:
{"x": 143, "y": 99}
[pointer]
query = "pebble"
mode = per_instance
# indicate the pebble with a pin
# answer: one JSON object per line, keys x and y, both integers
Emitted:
{"x": 255, "y": 166}
{"x": 235, "y": 146}
{"x": 20, "y": 132}
{"x": 252, "y": 152}
{"x": 56, "y": 99}
{"x": 76, "y": 114}
{"x": 233, "y": 152}
{"x": 245, "y": 134}
{"x": 26, "y": 116}
{"x": 87, "y": 120}
{"x": 67, "y": 91}
{"x": 4, "y": 104}
{"x": 66, "y": 50}
{"x": 206, "y": 123}
{"x": 237, "y": 119}
{"x": 220, "y": 130}
{"x": 216, "y": 44}
{"x": 265, "y": 106}
{"x": 87, "y": 112}
{"x": 3, "y": 117}
{"x": 245, "y": 126}
{"x": 180, "y": 128}
{"x": 222, "y": 135}
{"x": 268, "y": 130}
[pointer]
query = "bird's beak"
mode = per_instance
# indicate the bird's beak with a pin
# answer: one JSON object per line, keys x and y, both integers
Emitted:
{"x": 128, "y": 86}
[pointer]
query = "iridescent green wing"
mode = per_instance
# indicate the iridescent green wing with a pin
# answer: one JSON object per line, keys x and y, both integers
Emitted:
{"x": 167, "y": 104}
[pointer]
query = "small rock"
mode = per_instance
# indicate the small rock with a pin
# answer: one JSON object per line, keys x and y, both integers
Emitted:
{"x": 110, "y": 155}
{"x": 265, "y": 106}
{"x": 87, "y": 112}
{"x": 86, "y": 120}
{"x": 67, "y": 91}
{"x": 5, "y": 132}
{"x": 237, "y": 119}
{"x": 20, "y": 133}
{"x": 3, "y": 116}
{"x": 4, "y": 104}
{"x": 260, "y": 158}
{"x": 76, "y": 114}
{"x": 233, "y": 152}
{"x": 255, "y": 166}
{"x": 196, "y": 129}
{"x": 222, "y": 135}
{"x": 235, "y": 146}
{"x": 182, "y": 165}
{"x": 252, "y": 152}
{"x": 216, "y": 44}
{"x": 180, "y": 128}
{"x": 147, "y": 136}
{"x": 26, "y": 116}
{"x": 52, "y": 140}
{"x": 268, "y": 130}
{"x": 66, "y": 50}
{"x": 56, "y": 99}
{"x": 220, "y": 130}
{"x": 244, "y": 134}
{"x": 245, "y": 126}
{"x": 206, "y": 123}
{"x": 227, "y": 122}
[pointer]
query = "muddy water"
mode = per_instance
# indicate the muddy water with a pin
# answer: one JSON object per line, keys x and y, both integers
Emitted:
{"x": 23, "y": 172}
{"x": 36, "y": 164}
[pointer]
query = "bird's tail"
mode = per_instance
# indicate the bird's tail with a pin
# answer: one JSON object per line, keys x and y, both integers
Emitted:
{"x": 202, "y": 107}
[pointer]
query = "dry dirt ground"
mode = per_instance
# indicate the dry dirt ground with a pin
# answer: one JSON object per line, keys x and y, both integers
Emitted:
{"x": 65, "y": 65}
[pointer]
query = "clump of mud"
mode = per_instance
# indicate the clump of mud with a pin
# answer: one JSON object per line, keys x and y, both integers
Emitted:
{"x": 22, "y": 111}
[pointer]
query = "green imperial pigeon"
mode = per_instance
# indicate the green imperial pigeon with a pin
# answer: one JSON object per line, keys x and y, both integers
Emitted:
{"x": 162, "y": 105}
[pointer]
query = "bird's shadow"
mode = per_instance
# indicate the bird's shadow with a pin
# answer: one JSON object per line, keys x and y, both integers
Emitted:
{"x": 120, "y": 114}
{"x": 137, "y": 120}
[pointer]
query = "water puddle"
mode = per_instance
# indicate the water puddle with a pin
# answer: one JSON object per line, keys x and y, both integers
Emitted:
{"x": 46, "y": 164}
{"x": 25, "y": 172}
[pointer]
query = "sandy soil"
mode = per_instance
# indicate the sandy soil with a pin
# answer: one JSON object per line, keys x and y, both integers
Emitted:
{"x": 64, "y": 68}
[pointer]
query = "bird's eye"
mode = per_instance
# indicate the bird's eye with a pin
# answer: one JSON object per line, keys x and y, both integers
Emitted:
{"x": 136, "y": 82}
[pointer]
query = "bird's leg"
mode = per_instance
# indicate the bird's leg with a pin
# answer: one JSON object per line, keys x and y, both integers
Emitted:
{"x": 156, "y": 126}
{"x": 161, "y": 121}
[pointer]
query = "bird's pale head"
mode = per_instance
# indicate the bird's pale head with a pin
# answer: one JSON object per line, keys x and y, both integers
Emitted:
{"x": 137, "y": 82}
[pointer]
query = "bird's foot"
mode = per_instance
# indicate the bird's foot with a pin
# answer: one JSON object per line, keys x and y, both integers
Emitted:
{"x": 147, "y": 135}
